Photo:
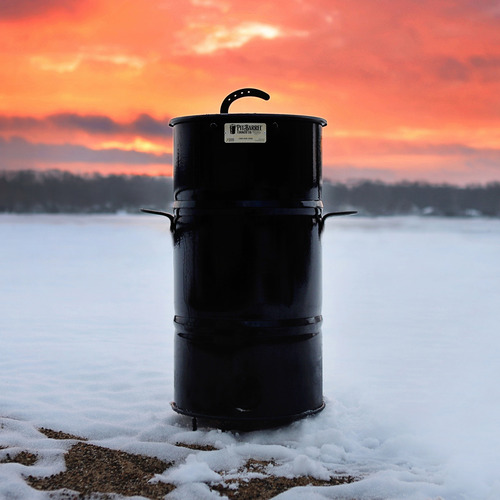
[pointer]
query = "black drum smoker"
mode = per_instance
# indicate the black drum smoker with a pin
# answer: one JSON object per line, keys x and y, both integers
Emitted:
{"x": 246, "y": 224}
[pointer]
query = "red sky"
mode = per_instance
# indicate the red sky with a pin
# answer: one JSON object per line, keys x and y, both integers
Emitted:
{"x": 410, "y": 88}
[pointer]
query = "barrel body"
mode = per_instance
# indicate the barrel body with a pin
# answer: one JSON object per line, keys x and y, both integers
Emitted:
{"x": 247, "y": 268}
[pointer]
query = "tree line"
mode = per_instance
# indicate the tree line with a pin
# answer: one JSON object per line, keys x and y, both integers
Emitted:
{"x": 419, "y": 198}
{"x": 64, "y": 192}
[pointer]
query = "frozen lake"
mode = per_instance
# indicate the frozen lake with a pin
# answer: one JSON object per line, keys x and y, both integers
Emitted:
{"x": 411, "y": 354}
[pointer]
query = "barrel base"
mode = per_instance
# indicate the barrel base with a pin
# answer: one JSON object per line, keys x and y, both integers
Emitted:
{"x": 242, "y": 423}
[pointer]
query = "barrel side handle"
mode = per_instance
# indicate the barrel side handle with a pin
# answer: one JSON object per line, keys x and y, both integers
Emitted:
{"x": 171, "y": 217}
{"x": 334, "y": 214}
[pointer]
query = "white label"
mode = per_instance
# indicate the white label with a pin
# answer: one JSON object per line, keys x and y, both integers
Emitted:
{"x": 245, "y": 132}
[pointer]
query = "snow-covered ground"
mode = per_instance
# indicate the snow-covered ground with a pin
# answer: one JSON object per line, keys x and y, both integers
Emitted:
{"x": 411, "y": 356}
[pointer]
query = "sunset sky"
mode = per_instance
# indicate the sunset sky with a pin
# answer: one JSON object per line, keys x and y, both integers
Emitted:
{"x": 410, "y": 88}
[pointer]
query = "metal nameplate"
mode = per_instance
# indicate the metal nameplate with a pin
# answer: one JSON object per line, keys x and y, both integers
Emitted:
{"x": 245, "y": 132}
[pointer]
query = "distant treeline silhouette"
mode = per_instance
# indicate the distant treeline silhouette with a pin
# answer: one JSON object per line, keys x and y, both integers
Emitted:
{"x": 63, "y": 192}
{"x": 58, "y": 191}
{"x": 404, "y": 198}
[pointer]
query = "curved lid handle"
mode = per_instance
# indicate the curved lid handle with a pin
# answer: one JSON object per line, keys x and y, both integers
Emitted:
{"x": 238, "y": 94}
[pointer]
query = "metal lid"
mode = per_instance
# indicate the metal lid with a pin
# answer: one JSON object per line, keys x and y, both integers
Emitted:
{"x": 238, "y": 94}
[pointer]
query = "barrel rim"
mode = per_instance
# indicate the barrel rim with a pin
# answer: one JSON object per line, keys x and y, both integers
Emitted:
{"x": 250, "y": 422}
{"x": 251, "y": 117}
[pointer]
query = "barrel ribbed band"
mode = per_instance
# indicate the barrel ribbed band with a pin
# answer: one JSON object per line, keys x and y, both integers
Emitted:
{"x": 252, "y": 208}
{"x": 248, "y": 204}
{"x": 223, "y": 326}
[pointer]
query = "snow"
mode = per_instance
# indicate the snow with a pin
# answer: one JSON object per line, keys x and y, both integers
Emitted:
{"x": 410, "y": 349}
{"x": 193, "y": 470}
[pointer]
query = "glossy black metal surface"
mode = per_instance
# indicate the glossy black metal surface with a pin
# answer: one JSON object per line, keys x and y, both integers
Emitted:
{"x": 246, "y": 226}
{"x": 287, "y": 167}
{"x": 248, "y": 316}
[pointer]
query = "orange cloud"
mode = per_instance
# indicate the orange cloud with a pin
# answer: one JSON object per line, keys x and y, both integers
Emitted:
{"x": 398, "y": 82}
